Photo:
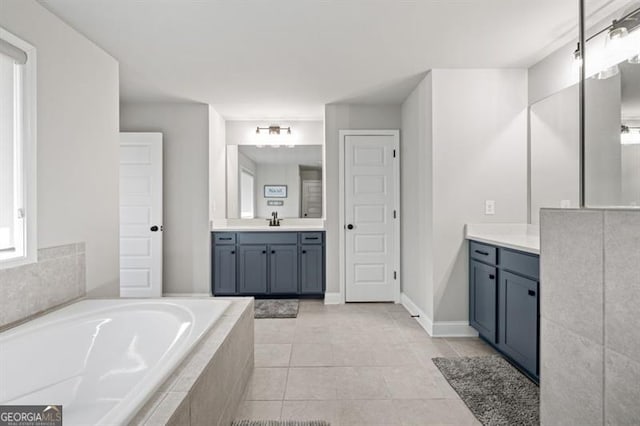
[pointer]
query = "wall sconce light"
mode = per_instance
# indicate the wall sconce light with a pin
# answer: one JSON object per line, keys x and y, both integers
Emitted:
{"x": 273, "y": 130}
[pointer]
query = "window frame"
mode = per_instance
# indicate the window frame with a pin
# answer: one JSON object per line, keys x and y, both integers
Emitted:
{"x": 27, "y": 108}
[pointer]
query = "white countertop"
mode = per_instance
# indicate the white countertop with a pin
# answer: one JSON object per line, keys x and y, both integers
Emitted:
{"x": 518, "y": 236}
{"x": 262, "y": 225}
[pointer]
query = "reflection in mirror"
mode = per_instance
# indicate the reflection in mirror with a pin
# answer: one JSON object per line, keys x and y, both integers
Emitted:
{"x": 282, "y": 179}
{"x": 612, "y": 110}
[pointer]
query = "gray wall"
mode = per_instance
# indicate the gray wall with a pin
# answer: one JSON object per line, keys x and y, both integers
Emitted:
{"x": 185, "y": 129}
{"x": 78, "y": 144}
{"x": 345, "y": 117}
{"x": 416, "y": 212}
{"x": 590, "y": 350}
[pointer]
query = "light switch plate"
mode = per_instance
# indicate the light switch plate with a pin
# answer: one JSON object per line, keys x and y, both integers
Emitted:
{"x": 489, "y": 207}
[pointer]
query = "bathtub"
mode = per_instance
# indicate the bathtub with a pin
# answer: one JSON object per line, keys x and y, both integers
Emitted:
{"x": 101, "y": 359}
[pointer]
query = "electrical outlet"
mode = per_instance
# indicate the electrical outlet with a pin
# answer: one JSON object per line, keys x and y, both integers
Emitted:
{"x": 489, "y": 207}
{"x": 565, "y": 204}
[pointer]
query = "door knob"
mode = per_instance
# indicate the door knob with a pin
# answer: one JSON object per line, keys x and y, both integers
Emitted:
{"x": 349, "y": 226}
{"x": 154, "y": 228}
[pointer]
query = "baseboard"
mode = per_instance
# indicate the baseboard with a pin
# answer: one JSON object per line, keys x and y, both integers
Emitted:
{"x": 453, "y": 329}
{"x": 422, "y": 319}
{"x": 332, "y": 299}
{"x": 438, "y": 328}
{"x": 186, "y": 295}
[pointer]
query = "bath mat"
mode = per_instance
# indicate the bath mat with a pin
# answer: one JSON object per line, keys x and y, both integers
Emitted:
{"x": 276, "y": 308}
{"x": 495, "y": 391}
{"x": 280, "y": 423}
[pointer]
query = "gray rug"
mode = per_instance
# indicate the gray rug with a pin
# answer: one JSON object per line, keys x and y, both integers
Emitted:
{"x": 280, "y": 423}
{"x": 495, "y": 391}
{"x": 276, "y": 308}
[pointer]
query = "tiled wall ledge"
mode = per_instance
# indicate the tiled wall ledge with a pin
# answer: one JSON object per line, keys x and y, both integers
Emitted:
{"x": 207, "y": 387}
{"x": 29, "y": 290}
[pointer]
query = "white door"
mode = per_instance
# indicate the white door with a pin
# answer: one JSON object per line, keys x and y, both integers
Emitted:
{"x": 140, "y": 214}
{"x": 371, "y": 217}
{"x": 312, "y": 198}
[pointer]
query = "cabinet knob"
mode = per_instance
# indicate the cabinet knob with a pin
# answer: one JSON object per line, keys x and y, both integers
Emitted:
{"x": 233, "y": 252}
{"x": 492, "y": 277}
{"x": 304, "y": 252}
{"x": 273, "y": 252}
{"x": 264, "y": 252}
{"x": 532, "y": 293}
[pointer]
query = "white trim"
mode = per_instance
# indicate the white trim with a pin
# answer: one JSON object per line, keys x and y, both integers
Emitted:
{"x": 341, "y": 205}
{"x": 333, "y": 299}
{"x": 439, "y": 328}
{"x": 453, "y": 329}
{"x": 422, "y": 319}
{"x": 29, "y": 149}
{"x": 186, "y": 295}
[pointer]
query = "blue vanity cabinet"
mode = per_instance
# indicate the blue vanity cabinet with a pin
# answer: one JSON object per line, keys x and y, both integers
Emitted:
{"x": 252, "y": 267}
{"x": 268, "y": 264}
{"x": 503, "y": 302}
{"x": 283, "y": 269}
{"x": 483, "y": 297}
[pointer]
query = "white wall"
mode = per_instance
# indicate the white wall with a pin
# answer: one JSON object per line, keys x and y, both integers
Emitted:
{"x": 278, "y": 174}
{"x": 185, "y": 129}
{"x": 416, "y": 212}
{"x": 344, "y": 117}
{"x": 479, "y": 153}
{"x": 555, "y": 151}
{"x": 217, "y": 169}
{"x": 78, "y": 158}
{"x": 554, "y": 73}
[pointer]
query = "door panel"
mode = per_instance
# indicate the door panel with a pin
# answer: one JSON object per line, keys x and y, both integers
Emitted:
{"x": 311, "y": 268}
{"x": 253, "y": 270}
{"x": 224, "y": 269}
{"x": 140, "y": 210}
{"x": 482, "y": 299}
{"x": 283, "y": 269}
{"x": 519, "y": 319}
{"x": 371, "y": 187}
{"x": 312, "y": 198}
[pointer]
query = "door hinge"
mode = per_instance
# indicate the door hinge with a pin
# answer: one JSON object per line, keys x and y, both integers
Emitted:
{"x": 394, "y": 153}
{"x": 395, "y": 215}
{"x": 395, "y": 275}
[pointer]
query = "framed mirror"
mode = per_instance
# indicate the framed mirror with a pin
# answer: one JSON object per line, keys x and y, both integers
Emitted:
{"x": 287, "y": 179}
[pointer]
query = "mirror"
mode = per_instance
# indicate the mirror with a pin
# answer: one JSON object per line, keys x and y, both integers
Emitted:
{"x": 612, "y": 110}
{"x": 282, "y": 179}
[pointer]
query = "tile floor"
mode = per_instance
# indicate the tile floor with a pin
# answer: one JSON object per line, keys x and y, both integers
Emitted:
{"x": 355, "y": 364}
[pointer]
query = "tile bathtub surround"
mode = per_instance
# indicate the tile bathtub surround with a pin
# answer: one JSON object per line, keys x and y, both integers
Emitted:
{"x": 207, "y": 387}
{"x": 57, "y": 278}
{"x": 590, "y": 346}
{"x": 354, "y": 364}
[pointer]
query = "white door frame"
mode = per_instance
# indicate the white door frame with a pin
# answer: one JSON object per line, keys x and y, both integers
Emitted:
{"x": 342, "y": 205}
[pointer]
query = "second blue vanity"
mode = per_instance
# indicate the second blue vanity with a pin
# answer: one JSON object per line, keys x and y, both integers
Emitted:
{"x": 268, "y": 264}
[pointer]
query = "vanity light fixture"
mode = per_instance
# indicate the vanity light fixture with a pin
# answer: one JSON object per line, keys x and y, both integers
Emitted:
{"x": 273, "y": 130}
{"x": 629, "y": 135}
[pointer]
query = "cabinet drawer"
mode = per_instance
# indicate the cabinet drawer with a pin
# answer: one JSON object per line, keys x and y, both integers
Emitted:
{"x": 268, "y": 238}
{"x": 482, "y": 252}
{"x": 311, "y": 238}
{"x": 520, "y": 263}
{"x": 224, "y": 238}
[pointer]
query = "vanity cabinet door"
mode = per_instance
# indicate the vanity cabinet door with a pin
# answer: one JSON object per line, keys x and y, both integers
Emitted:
{"x": 253, "y": 269}
{"x": 483, "y": 297}
{"x": 224, "y": 270}
{"x": 311, "y": 269}
{"x": 283, "y": 269}
{"x": 519, "y": 319}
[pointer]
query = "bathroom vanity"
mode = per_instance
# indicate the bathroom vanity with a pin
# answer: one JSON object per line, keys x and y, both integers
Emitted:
{"x": 504, "y": 286}
{"x": 268, "y": 263}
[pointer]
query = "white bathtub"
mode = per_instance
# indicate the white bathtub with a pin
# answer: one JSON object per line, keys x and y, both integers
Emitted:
{"x": 101, "y": 359}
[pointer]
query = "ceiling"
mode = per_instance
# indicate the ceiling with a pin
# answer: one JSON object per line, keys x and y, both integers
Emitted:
{"x": 288, "y": 58}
